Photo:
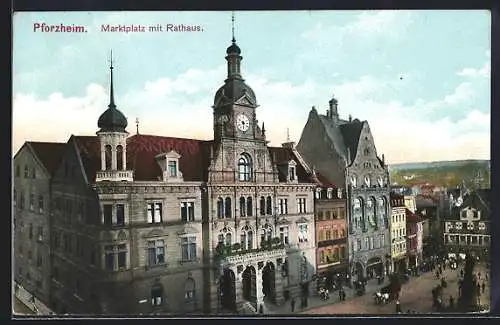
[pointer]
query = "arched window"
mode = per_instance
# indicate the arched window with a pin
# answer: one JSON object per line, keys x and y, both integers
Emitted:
{"x": 243, "y": 207}
{"x": 250, "y": 240}
{"x": 107, "y": 156}
{"x": 246, "y": 240}
{"x": 269, "y": 206}
{"x": 243, "y": 240}
{"x": 220, "y": 208}
{"x": 119, "y": 158}
{"x": 189, "y": 292}
{"x": 156, "y": 294}
{"x": 229, "y": 240}
{"x": 262, "y": 206}
{"x": 244, "y": 168}
{"x": 249, "y": 206}
{"x": 227, "y": 208}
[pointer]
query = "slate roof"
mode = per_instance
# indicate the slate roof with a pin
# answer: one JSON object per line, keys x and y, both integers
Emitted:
{"x": 397, "y": 200}
{"x": 324, "y": 181}
{"x": 194, "y": 161}
{"x": 49, "y": 153}
{"x": 479, "y": 199}
{"x": 351, "y": 133}
{"x": 283, "y": 156}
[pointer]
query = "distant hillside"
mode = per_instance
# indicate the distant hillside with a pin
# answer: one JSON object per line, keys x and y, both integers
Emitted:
{"x": 436, "y": 164}
{"x": 442, "y": 173}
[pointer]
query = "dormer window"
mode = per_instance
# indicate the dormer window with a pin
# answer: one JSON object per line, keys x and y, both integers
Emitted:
{"x": 169, "y": 163}
{"x": 339, "y": 193}
{"x": 292, "y": 171}
{"x": 481, "y": 226}
{"x": 318, "y": 193}
{"x": 329, "y": 193}
{"x": 172, "y": 168}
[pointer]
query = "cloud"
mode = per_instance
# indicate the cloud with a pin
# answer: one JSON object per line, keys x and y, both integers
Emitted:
{"x": 483, "y": 72}
{"x": 180, "y": 106}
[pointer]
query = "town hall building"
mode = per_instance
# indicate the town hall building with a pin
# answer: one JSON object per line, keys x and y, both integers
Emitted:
{"x": 149, "y": 224}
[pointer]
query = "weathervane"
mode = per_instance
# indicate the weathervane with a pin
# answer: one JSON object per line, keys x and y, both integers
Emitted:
{"x": 232, "y": 23}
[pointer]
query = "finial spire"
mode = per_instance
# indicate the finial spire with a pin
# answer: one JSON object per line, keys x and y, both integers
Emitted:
{"x": 111, "y": 91}
{"x": 137, "y": 125}
{"x": 287, "y": 134}
{"x": 232, "y": 23}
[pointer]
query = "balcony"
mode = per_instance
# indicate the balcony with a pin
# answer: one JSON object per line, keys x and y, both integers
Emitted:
{"x": 332, "y": 242}
{"x": 234, "y": 255}
{"x": 115, "y": 175}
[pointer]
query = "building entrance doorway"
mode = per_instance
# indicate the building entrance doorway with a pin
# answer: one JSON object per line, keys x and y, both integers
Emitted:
{"x": 268, "y": 282}
{"x": 228, "y": 290}
{"x": 249, "y": 279}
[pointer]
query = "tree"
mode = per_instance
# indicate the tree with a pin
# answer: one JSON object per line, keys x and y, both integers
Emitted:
{"x": 468, "y": 296}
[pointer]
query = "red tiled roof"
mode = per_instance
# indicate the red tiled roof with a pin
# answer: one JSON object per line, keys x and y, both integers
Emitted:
{"x": 49, "y": 153}
{"x": 412, "y": 217}
{"x": 142, "y": 150}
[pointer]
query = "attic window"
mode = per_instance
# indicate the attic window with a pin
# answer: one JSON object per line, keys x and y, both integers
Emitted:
{"x": 172, "y": 168}
{"x": 292, "y": 170}
{"x": 339, "y": 193}
{"x": 329, "y": 193}
{"x": 318, "y": 193}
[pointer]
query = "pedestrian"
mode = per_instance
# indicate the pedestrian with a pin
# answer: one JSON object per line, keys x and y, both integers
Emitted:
{"x": 462, "y": 273}
{"x": 398, "y": 307}
{"x": 340, "y": 295}
{"x": 478, "y": 287}
{"x": 261, "y": 309}
{"x": 483, "y": 286}
{"x": 479, "y": 275}
{"x": 343, "y": 295}
{"x": 452, "y": 302}
{"x": 292, "y": 304}
{"x": 486, "y": 276}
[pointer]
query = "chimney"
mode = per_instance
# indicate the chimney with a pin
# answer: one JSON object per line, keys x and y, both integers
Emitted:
{"x": 350, "y": 118}
{"x": 288, "y": 144}
{"x": 334, "y": 115}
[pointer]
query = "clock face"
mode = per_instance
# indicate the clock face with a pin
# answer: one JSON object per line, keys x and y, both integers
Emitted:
{"x": 367, "y": 181}
{"x": 242, "y": 122}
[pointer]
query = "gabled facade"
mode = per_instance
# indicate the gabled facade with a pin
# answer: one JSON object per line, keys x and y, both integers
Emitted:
{"x": 344, "y": 152}
{"x": 332, "y": 255}
{"x": 398, "y": 232}
{"x": 34, "y": 165}
{"x": 468, "y": 228}
{"x": 414, "y": 243}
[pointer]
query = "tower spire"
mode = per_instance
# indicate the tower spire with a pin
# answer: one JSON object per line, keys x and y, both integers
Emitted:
{"x": 287, "y": 135}
{"x": 111, "y": 91}
{"x": 232, "y": 27}
{"x": 137, "y": 125}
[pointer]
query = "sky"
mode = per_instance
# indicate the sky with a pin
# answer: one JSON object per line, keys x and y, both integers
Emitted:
{"x": 420, "y": 78}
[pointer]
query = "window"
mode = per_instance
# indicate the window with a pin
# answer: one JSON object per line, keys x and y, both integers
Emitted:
{"x": 30, "y": 231}
{"x": 26, "y": 172}
{"x": 79, "y": 246}
{"x": 188, "y": 248}
{"x": 92, "y": 257}
{"x": 371, "y": 244}
{"x": 335, "y": 234}
{"x": 155, "y": 212}
{"x": 266, "y": 234}
{"x": 189, "y": 295}
{"x": 328, "y": 235}
{"x": 269, "y": 206}
{"x": 67, "y": 243}
{"x": 342, "y": 252}
{"x": 336, "y": 254}
{"x": 57, "y": 237}
{"x": 32, "y": 202}
{"x": 80, "y": 211}
{"x": 33, "y": 172}
{"x": 320, "y": 215}
{"x": 14, "y": 197}
{"x": 157, "y": 295}
{"x": 244, "y": 168}
{"x": 108, "y": 214}
{"x": 156, "y": 252}
{"x": 301, "y": 205}
{"x": 262, "y": 206}
{"x": 29, "y": 254}
{"x": 187, "y": 211}
{"x": 339, "y": 195}
{"x": 382, "y": 240}
{"x": 318, "y": 193}
{"x": 39, "y": 260}
{"x": 120, "y": 214}
{"x": 282, "y": 206}
{"x": 227, "y": 208}
{"x": 229, "y": 240}
{"x": 292, "y": 173}
{"x": 172, "y": 168}
{"x": 284, "y": 235}
{"x": 107, "y": 157}
{"x": 18, "y": 171}
{"x": 40, "y": 233}
{"x": 358, "y": 242}
{"x": 220, "y": 208}
{"x": 249, "y": 206}
{"x": 115, "y": 257}
{"x": 242, "y": 207}
{"x": 119, "y": 158}
{"x": 303, "y": 233}
{"x": 40, "y": 203}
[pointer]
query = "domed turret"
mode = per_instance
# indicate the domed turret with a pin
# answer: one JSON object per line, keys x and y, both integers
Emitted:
{"x": 112, "y": 119}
